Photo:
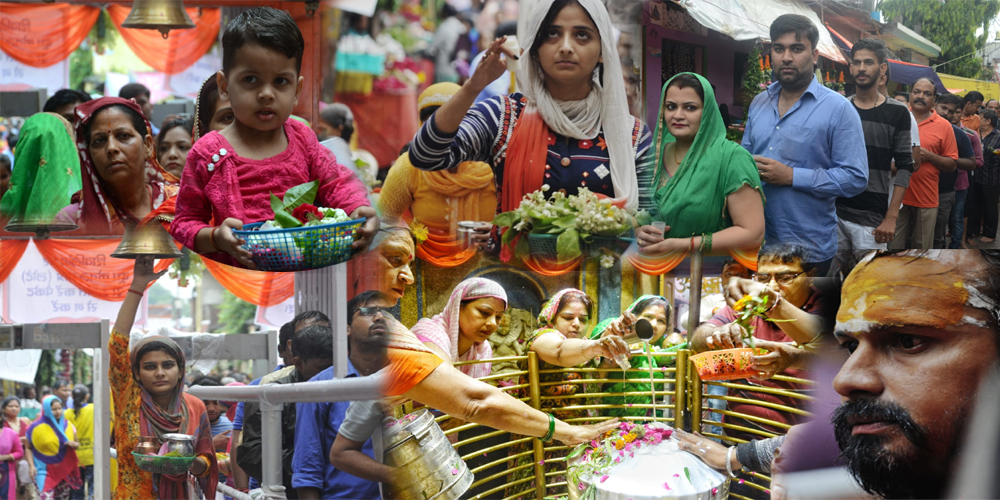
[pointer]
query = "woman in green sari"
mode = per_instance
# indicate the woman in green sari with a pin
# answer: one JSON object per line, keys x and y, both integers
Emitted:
{"x": 707, "y": 189}
{"x": 46, "y": 171}
{"x": 655, "y": 309}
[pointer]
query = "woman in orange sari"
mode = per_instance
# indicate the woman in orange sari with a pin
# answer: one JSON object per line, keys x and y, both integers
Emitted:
{"x": 147, "y": 384}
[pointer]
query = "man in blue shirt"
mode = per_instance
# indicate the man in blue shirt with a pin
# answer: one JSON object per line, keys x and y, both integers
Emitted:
{"x": 808, "y": 143}
{"x": 285, "y": 334}
{"x": 317, "y": 424}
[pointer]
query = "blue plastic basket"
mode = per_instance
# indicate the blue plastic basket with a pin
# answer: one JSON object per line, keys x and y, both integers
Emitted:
{"x": 300, "y": 248}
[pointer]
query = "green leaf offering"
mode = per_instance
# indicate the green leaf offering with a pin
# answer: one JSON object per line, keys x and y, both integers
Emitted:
{"x": 303, "y": 193}
{"x": 286, "y": 220}
{"x": 568, "y": 245}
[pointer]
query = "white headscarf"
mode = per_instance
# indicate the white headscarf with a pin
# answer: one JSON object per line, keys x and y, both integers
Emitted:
{"x": 605, "y": 107}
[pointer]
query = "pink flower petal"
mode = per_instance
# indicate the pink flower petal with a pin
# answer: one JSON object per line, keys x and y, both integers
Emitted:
{"x": 677, "y": 475}
{"x": 541, "y": 462}
{"x": 667, "y": 486}
{"x": 741, "y": 481}
{"x": 580, "y": 486}
{"x": 604, "y": 478}
{"x": 454, "y": 471}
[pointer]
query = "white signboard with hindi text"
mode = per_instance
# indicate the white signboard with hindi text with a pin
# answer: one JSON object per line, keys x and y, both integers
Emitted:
{"x": 276, "y": 315}
{"x": 35, "y": 293}
{"x": 52, "y": 78}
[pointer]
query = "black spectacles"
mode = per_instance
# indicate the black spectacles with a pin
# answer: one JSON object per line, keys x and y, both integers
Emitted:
{"x": 373, "y": 310}
{"x": 782, "y": 279}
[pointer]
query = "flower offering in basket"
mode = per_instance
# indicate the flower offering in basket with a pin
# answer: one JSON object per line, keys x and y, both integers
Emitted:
{"x": 564, "y": 227}
{"x": 301, "y": 236}
{"x": 733, "y": 364}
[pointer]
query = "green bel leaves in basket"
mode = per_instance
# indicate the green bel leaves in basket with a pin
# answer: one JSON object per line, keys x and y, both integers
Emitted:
{"x": 568, "y": 245}
{"x": 303, "y": 193}
{"x": 505, "y": 219}
{"x": 282, "y": 217}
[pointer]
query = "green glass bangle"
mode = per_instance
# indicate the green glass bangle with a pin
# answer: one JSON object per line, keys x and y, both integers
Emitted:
{"x": 552, "y": 429}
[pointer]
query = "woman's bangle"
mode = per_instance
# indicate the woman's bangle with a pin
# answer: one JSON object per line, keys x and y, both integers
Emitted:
{"x": 691, "y": 249}
{"x": 140, "y": 294}
{"x": 211, "y": 239}
{"x": 552, "y": 429}
{"x": 729, "y": 462}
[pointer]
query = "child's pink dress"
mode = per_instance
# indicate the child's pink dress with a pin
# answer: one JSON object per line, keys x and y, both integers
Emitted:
{"x": 218, "y": 183}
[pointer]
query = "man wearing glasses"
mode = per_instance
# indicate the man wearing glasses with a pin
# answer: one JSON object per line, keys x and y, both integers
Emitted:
{"x": 793, "y": 320}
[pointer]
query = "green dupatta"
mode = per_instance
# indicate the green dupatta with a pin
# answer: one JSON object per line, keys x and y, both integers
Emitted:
{"x": 693, "y": 201}
{"x": 46, "y": 170}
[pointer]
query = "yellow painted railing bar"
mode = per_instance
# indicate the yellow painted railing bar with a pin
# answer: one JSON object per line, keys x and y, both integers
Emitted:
{"x": 502, "y": 460}
{"x": 752, "y": 418}
{"x": 536, "y": 402}
{"x": 495, "y": 476}
{"x": 765, "y": 390}
{"x": 765, "y": 404}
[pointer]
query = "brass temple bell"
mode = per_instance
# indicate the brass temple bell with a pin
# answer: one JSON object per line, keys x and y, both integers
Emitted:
{"x": 160, "y": 15}
{"x": 147, "y": 239}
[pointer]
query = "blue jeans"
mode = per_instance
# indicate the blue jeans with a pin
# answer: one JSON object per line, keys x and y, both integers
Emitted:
{"x": 956, "y": 223}
{"x": 87, "y": 475}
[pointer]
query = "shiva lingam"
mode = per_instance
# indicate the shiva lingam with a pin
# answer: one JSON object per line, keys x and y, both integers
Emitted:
{"x": 641, "y": 462}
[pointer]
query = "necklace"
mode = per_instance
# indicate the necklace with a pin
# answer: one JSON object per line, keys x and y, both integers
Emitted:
{"x": 676, "y": 161}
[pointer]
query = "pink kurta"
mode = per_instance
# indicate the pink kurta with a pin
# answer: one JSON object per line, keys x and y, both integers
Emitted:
{"x": 218, "y": 183}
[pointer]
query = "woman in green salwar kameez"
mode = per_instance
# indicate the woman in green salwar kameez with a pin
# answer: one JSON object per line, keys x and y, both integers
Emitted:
{"x": 656, "y": 310}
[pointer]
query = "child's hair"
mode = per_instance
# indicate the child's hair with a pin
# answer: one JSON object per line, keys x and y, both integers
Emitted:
{"x": 267, "y": 27}
{"x": 5, "y": 163}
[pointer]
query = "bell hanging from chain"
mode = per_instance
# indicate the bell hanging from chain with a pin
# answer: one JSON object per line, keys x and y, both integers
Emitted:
{"x": 41, "y": 226}
{"x": 147, "y": 239}
{"x": 160, "y": 15}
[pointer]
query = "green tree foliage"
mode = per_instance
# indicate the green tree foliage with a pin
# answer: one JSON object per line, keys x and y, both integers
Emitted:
{"x": 235, "y": 315}
{"x": 48, "y": 366}
{"x": 951, "y": 25}
{"x": 81, "y": 65}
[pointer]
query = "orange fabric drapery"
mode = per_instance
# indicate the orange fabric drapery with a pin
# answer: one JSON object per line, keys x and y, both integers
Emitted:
{"x": 10, "y": 253}
{"x": 655, "y": 265}
{"x": 746, "y": 257}
{"x": 550, "y": 267}
{"x": 442, "y": 251}
{"x": 256, "y": 287}
{"x": 180, "y": 50}
{"x": 41, "y": 35}
{"x": 88, "y": 265}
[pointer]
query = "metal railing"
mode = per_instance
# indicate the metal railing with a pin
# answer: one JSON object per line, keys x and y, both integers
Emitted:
{"x": 511, "y": 466}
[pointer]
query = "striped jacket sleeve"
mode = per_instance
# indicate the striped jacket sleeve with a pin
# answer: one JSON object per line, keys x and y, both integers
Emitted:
{"x": 473, "y": 141}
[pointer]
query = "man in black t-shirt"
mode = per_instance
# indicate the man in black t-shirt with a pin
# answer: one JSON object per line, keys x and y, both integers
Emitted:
{"x": 864, "y": 221}
{"x": 948, "y": 106}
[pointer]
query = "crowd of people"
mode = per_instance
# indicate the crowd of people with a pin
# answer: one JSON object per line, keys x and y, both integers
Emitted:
{"x": 816, "y": 182}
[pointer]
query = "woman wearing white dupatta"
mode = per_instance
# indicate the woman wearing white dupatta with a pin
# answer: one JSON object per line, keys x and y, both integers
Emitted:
{"x": 567, "y": 128}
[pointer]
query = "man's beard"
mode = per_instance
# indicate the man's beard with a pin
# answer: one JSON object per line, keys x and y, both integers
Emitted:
{"x": 794, "y": 82}
{"x": 865, "y": 86}
{"x": 878, "y": 470}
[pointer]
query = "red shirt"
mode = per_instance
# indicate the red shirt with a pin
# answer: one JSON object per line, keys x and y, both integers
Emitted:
{"x": 938, "y": 137}
{"x": 766, "y": 331}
